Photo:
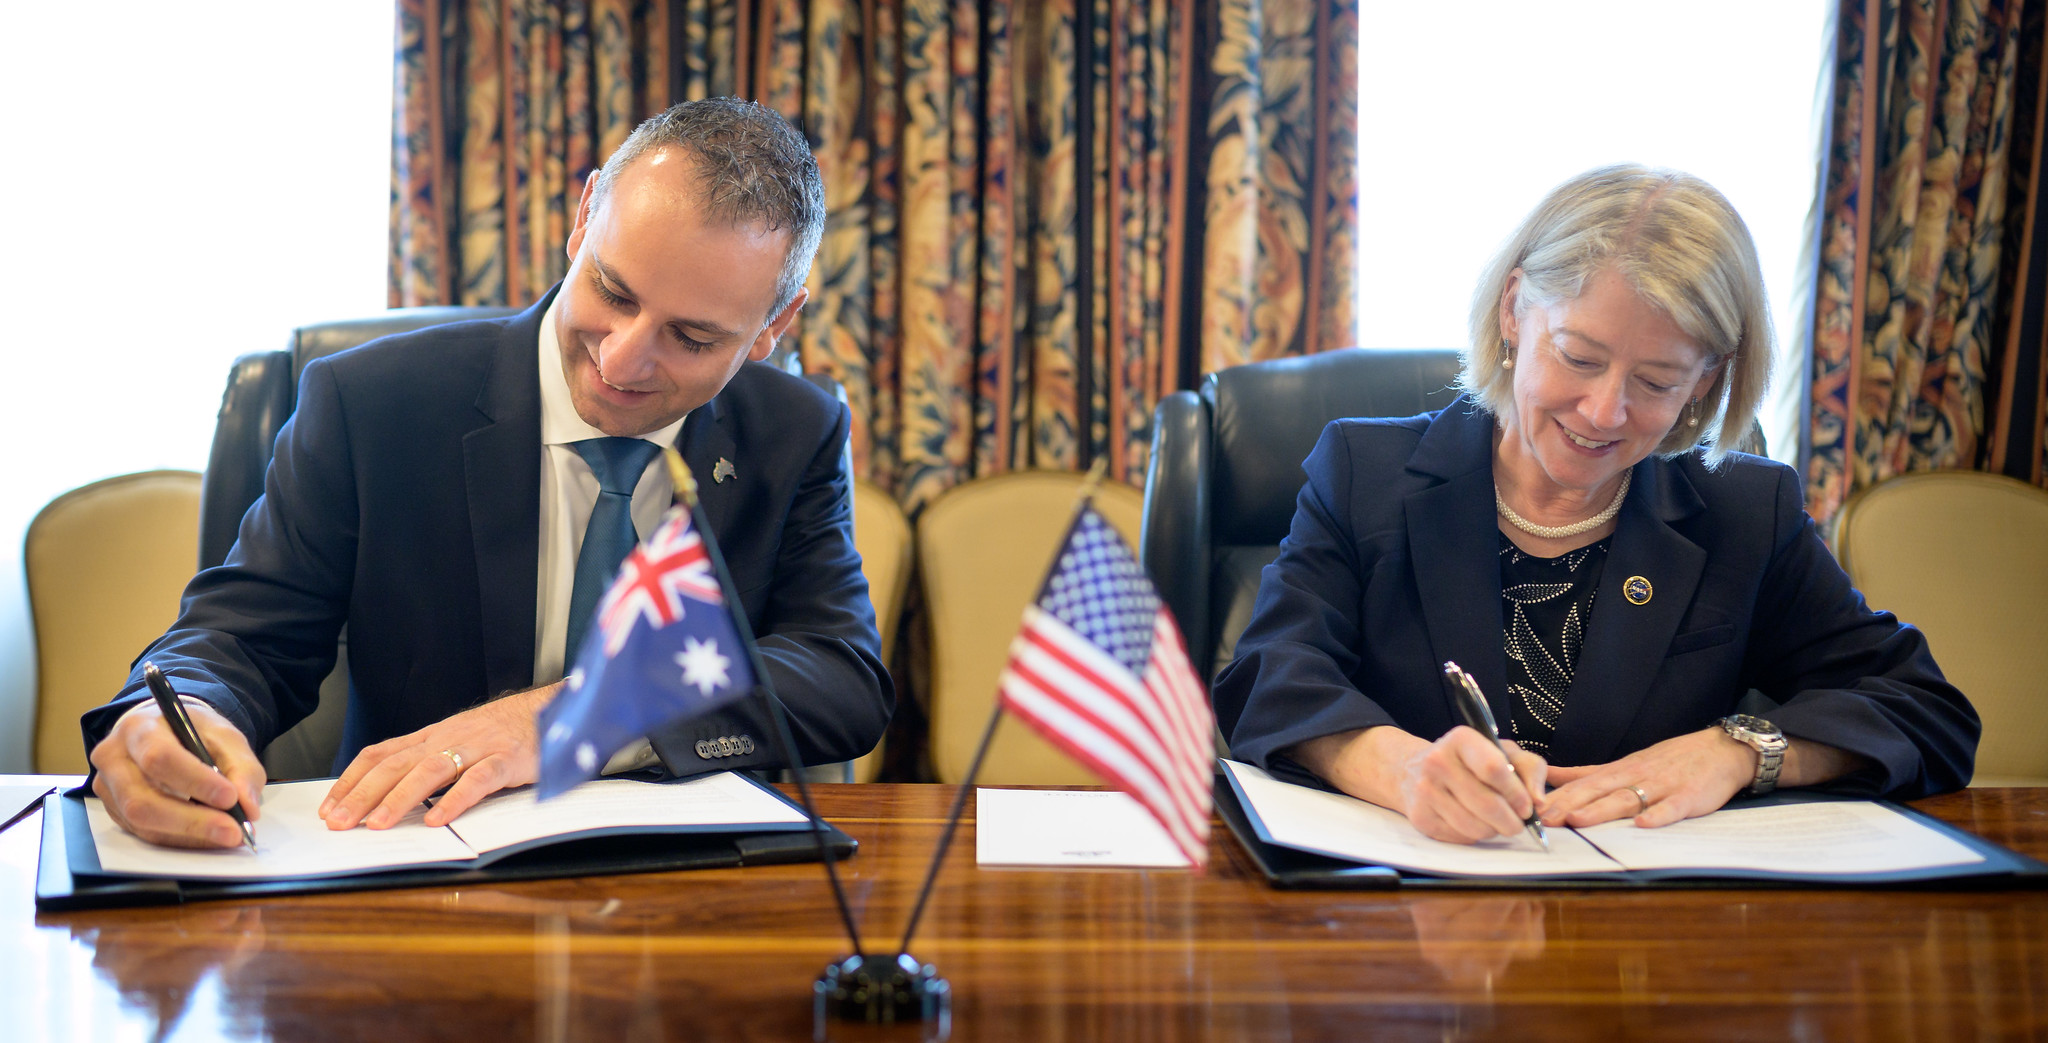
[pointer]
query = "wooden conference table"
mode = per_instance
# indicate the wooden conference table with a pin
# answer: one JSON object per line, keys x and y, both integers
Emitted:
{"x": 1126, "y": 956}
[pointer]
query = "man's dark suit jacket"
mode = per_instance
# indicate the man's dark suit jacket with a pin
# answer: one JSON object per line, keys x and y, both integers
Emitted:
{"x": 404, "y": 501}
{"x": 1392, "y": 568}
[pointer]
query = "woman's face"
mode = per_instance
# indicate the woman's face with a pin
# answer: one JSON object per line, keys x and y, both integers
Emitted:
{"x": 1598, "y": 382}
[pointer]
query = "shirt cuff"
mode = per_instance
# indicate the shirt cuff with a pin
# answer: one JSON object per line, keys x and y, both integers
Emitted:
{"x": 638, "y": 755}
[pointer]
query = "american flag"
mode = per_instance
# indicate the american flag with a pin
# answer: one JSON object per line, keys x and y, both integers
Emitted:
{"x": 1100, "y": 670}
{"x": 664, "y": 649}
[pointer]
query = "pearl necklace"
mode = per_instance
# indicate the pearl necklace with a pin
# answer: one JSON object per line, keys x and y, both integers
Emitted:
{"x": 1558, "y": 532}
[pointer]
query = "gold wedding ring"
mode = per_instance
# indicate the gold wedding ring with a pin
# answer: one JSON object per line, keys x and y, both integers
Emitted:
{"x": 1642, "y": 802}
{"x": 457, "y": 759}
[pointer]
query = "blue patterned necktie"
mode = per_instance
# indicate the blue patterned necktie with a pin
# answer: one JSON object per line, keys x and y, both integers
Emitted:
{"x": 617, "y": 463}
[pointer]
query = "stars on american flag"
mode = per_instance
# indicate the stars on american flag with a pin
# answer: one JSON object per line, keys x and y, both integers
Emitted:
{"x": 1100, "y": 591}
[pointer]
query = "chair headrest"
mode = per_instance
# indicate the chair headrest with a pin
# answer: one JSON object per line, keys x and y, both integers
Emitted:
{"x": 320, "y": 339}
{"x": 1268, "y": 415}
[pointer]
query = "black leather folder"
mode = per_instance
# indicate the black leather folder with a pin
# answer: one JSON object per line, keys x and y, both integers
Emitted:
{"x": 68, "y": 875}
{"x": 1292, "y": 868}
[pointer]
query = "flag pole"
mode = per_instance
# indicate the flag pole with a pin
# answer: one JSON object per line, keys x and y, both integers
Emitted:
{"x": 931, "y": 874}
{"x": 686, "y": 491}
{"x": 1089, "y": 486}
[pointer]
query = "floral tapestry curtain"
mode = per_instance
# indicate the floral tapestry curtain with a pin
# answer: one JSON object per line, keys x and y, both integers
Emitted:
{"x": 1280, "y": 214}
{"x": 1044, "y": 215}
{"x": 500, "y": 109}
{"x": 997, "y": 286}
{"x": 1922, "y": 217}
{"x": 2018, "y": 436}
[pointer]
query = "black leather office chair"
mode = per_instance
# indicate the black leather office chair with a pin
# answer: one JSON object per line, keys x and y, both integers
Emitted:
{"x": 263, "y": 389}
{"x": 1226, "y": 466}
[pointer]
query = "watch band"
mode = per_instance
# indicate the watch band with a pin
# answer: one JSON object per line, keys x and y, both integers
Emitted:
{"x": 1768, "y": 742}
{"x": 1768, "y": 762}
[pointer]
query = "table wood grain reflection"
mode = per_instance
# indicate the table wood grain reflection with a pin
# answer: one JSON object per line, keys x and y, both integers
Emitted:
{"x": 1128, "y": 956}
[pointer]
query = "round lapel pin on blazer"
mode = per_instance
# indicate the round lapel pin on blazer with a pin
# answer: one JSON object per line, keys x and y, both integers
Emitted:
{"x": 1636, "y": 590}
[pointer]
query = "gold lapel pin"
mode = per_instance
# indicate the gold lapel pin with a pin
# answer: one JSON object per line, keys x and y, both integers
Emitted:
{"x": 1637, "y": 590}
{"x": 722, "y": 470}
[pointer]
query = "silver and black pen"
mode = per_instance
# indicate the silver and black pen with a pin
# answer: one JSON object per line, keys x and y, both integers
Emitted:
{"x": 1478, "y": 716}
{"x": 181, "y": 725}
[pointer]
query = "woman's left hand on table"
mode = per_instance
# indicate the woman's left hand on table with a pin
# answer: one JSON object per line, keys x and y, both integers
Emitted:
{"x": 1680, "y": 778}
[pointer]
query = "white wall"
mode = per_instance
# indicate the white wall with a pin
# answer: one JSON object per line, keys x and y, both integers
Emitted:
{"x": 184, "y": 183}
{"x": 1465, "y": 123}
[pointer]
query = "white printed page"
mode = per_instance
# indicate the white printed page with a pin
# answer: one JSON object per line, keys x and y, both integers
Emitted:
{"x": 1820, "y": 838}
{"x": 1014, "y": 827}
{"x": 291, "y": 841}
{"x": 514, "y": 818}
{"x": 1334, "y": 824}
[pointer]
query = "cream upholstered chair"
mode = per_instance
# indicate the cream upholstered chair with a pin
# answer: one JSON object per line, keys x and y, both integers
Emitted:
{"x": 882, "y": 535}
{"x": 983, "y": 548}
{"x": 1963, "y": 555}
{"x": 106, "y": 564}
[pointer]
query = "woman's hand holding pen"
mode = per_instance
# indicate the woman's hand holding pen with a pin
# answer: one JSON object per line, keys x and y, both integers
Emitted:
{"x": 160, "y": 792}
{"x": 1458, "y": 788}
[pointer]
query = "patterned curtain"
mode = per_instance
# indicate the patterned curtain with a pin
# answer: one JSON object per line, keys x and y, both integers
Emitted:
{"x": 998, "y": 284}
{"x": 2019, "y": 408}
{"x": 1281, "y": 207}
{"x": 500, "y": 109}
{"x": 1913, "y": 323}
{"x": 1044, "y": 215}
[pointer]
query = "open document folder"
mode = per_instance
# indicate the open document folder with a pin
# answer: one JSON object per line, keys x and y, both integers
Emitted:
{"x": 1808, "y": 842}
{"x": 605, "y": 826}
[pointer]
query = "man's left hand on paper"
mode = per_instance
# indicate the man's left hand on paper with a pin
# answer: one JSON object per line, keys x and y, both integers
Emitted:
{"x": 499, "y": 748}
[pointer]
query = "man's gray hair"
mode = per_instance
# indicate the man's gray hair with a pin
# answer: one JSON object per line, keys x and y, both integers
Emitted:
{"x": 750, "y": 166}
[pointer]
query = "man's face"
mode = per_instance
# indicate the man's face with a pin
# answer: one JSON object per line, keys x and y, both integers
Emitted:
{"x": 660, "y": 307}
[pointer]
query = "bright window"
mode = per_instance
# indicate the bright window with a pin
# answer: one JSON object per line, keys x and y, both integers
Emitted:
{"x": 186, "y": 183}
{"x": 1466, "y": 120}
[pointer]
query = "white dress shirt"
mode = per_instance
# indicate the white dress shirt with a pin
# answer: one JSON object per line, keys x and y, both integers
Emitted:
{"x": 568, "y": 491}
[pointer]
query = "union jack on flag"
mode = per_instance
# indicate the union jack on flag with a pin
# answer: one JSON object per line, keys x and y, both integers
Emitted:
{"x": 1100, "y": 670}
{"x": 664, "y": 649}
{"x": 651, "y": 584}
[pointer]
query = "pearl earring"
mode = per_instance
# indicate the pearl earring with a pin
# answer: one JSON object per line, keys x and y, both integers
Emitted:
{"x": 1507, "y": 350}
{"x": 1692, "y": 413}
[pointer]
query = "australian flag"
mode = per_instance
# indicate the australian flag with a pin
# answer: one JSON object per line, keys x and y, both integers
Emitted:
{"x": 663, "y": 648}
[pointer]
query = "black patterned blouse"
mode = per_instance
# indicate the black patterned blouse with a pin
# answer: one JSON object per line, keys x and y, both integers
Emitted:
{"x": 1545, "y": 603}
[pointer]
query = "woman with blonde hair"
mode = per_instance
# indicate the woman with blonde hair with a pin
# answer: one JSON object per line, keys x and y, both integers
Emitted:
{"x": 1575, "y": 533}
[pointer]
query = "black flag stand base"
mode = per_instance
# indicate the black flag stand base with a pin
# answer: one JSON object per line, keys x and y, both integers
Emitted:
{"x": 866, "y": 990}
{"x": 904, "y": 990}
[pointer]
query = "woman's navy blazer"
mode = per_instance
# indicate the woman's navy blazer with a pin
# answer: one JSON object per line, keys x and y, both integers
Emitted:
{"x": 1392, "y": 568}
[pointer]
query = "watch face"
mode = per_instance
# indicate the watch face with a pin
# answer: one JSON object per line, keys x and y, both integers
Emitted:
{"x": 1753, "y": 724}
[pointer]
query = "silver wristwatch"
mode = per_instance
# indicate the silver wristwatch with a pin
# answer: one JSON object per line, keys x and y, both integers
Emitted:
{"x": 1768, "y": 742}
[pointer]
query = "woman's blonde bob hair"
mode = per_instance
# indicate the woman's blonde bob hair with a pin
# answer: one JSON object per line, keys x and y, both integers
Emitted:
{"x": 1684, "y": 250}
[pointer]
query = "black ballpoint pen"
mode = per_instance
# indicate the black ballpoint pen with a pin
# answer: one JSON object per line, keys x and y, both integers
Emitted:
{"x": 181, "y": 725}
{"x": 1479, "y": 717}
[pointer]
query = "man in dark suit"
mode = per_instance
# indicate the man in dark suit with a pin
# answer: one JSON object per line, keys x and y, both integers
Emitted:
{"x": 433, "y": 491}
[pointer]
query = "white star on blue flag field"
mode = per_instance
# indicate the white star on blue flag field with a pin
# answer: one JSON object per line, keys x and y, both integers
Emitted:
{"x": 663, "y": 673}
{"x": 1100, "y": 591}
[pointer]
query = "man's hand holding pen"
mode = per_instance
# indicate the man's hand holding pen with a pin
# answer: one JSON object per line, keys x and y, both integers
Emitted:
{"x": 160, "y": 791}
